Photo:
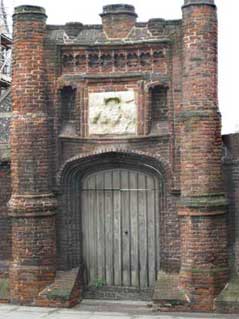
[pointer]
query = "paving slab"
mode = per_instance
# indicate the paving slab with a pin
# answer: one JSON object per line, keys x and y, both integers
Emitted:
{"x": 153, "y": 316}
{"x": 22, "y": 315}
{"x": 102, "y": 316}
{"x": 74, "y": 310}
{"x": 18, "y": 312}
{"x": 36, "y": 309}
{"x": 7, "y": 307}
{"x": 59, "y": 315}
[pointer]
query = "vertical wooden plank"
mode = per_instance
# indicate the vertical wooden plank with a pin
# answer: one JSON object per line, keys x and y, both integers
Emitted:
{"x": 151, "y": 231}
{"x": 147, "y": 228}
{"x": 100, "y": 227}
{"x": 129, "y": 226}
{"x": 91, "y": 236}
{"x": 134, "y": 234}
{"x": 82, "y": 215}
{"x": 85, "y": 224}
{"x": 68, "y": 226}
{"x": 76, "y": 226}
{"x": 108, "y": 228}
{"x": 70, "y": 239}
{"x": 158, "y": 211}
{"x": 112, "y": 225}
{"x": 73, "y": 243}
{"x": 82, "y": 208}
{"x": 125, "y": 227}
{"x": 104, "y": 226}
{"x": 117, "y": 228}
{"x": 95, "y": 228}
{"x": 78, "y": 223}
{"x": 142, "y": 231}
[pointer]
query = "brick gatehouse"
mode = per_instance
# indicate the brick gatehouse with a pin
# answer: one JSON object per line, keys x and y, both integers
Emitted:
{"x": 116, "y": 162}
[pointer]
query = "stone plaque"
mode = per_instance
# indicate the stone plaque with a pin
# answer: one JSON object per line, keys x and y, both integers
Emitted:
{"x": 112, "y": 113}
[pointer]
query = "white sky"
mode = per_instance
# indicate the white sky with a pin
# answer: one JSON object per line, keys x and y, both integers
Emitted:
{"x": 88, "y": 11}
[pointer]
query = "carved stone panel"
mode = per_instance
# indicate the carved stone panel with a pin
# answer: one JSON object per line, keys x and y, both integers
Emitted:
{"x": 112, "y": 113}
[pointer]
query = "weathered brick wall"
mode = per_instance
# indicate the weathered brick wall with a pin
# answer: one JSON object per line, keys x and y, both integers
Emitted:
{"x": 231, "y": 180}
{"x": 5, "y": 226}
{"x": 5, "y": 116}
{"x": 159, "y": 108}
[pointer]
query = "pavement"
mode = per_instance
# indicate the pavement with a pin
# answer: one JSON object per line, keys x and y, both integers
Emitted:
{"x": 128, "y": 311}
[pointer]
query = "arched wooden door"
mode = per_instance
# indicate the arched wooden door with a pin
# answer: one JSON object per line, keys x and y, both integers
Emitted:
{"x": 120, "y": 228}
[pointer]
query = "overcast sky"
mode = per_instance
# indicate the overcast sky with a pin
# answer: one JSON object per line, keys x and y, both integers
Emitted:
{"x": 87, "y": 11}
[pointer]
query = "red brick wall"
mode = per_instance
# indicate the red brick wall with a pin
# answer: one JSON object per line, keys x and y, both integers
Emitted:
{"x": 231, "y": 180}
{"x": 5, "y": 226}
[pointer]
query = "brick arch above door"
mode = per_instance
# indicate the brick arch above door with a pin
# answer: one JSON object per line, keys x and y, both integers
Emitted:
{"x": 74, "y": 170}
{"x": 82, "y": 161}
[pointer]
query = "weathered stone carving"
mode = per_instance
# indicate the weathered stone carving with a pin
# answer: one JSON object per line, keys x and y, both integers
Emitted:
{"x": 112, "y": 113}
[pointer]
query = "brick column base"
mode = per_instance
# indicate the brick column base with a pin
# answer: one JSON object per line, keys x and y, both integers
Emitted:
{"x": 33, "y": 246}
{"x": 204, "y": 267}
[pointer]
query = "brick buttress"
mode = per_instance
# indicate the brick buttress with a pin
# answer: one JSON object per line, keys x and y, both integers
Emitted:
{"x": 204, "y": 263}
{"x": 32, "y": 205}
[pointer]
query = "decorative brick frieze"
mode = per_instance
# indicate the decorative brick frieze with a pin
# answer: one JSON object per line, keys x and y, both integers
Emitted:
{"x": 133, "y": 59}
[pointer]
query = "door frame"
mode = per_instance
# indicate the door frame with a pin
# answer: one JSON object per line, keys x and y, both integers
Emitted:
{"x": 149, "y": 213}
{"x": 70, "y": 177}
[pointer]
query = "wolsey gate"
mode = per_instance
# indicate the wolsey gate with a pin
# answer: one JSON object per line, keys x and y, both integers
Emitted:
{"x": 116, "y": 159}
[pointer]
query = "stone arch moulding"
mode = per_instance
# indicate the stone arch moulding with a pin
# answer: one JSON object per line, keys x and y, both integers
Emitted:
{"x": 147, "y": 159}
{"x": 69, "y": 179}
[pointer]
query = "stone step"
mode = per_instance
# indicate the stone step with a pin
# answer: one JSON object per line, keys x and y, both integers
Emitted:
{"x": 63, "y": 292}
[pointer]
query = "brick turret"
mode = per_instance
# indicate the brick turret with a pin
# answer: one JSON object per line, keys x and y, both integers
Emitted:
{"x": 32, "y": 205}
{"x": 118, "y": 20}
{"x": 202, "y": 209}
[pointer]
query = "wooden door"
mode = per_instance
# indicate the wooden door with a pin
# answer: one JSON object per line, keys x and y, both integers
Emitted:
{"x": 120, "y": 228}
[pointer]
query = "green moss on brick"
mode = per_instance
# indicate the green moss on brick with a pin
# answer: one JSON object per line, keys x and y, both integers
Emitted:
{"x": 4, "y": 289}
{"x": 59, "y": 293}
